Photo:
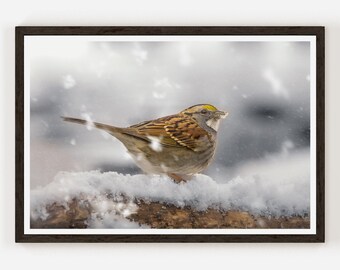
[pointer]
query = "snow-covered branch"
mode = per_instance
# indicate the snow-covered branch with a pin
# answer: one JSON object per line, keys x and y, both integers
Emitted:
{"x": 111, "y": 200}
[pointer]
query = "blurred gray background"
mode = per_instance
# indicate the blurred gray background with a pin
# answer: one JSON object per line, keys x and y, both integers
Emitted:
{"x": 264, "y": 86}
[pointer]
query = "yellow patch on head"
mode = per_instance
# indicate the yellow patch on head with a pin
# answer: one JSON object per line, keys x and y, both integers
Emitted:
{"x": 199, "y": 107}
{"x": 210, "y": 107}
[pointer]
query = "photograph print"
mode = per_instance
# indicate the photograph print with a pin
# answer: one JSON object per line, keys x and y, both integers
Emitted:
{"x": 140, "y": 135}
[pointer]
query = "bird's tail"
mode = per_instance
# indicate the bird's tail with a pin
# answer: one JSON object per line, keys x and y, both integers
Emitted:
{"x": 90, "y": 124}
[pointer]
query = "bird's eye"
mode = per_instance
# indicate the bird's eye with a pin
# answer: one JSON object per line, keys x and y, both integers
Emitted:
{"x": 204, "y": 111}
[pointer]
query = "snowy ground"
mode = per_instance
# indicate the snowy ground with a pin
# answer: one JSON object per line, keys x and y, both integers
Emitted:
{"x": 267, "y": 193}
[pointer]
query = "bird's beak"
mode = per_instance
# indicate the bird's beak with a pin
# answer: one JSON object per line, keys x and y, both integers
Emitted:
{"x": 221, "y": 114}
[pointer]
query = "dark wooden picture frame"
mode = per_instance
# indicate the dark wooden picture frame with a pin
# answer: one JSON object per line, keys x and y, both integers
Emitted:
{"x": 317, "y": 31}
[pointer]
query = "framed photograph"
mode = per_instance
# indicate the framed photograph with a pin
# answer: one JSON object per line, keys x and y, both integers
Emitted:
{"x": 170, "y": 134}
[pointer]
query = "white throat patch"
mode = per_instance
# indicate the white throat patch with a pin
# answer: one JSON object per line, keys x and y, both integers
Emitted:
{"x": 213, "y": 123}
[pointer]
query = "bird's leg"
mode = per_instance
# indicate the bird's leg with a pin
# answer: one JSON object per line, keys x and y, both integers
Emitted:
{"x": 176, "y": 177}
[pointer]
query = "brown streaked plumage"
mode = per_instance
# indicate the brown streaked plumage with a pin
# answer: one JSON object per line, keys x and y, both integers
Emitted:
{"x": 179, "y": 145}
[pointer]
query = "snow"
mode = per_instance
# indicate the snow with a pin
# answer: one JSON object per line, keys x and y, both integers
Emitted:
{"x": 111, "y": 220}
{"x": 68, "y": 81}
{"x": 140, "y": 54}
{"x": 109, "y": 214}
{"x": 89, "y": 121}
{"x": 286, "y": 147}
{"x": 159, "y": 94}
{"x": 155, "y": 144}
{"x": 73, "y": 142}
{"x": 258, "y": 194}
{"x": 276, "y": 84}
{"x": 163, "y": 86}
{"x": 163, "y": 82}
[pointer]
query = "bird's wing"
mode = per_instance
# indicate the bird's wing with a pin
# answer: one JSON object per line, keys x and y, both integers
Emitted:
{"x": 186, "y": 132}
{"x": 175, "y": 130}
{"x": 154, "y": 129}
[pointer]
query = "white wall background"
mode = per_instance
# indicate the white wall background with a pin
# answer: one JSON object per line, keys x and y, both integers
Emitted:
{"x": 174, "y": 12}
